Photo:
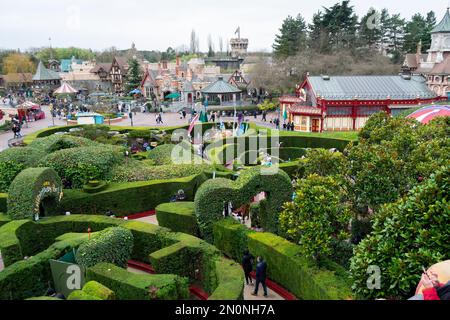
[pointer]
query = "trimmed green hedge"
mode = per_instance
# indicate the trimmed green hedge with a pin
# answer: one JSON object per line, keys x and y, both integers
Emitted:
{"x": 230, "y": 278}
{"x": 80, "y": 165}
{"x": 129, "y": 198}
{"x": 55, "y": 143}
{"x": 213, "y": 194}
{"x": 20, "y": 238}
{"x": 98, "y": 290}
{"x": 285, "y": 264}
{"x": 130, "y": 286}
{"x": 30, "y": 278}
{"x": 162, "y": 155}
{"x": 31, "y": 191}
{"x": 94, "y": 188}
{"x": 93, "y": 291}
{"x": 178, "y": 217}
{"x": 112, "y": 245}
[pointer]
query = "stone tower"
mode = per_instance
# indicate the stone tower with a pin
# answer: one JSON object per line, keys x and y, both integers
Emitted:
{"x": 239, "y": 46}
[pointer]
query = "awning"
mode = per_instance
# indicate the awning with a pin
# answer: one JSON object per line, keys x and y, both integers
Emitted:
{"x": 175, "y": 95}
{"x": 65, "y": 89}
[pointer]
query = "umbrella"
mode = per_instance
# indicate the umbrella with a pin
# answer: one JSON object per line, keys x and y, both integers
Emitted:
{"x": 425, "y": 115}
{"x": 28, "y": 105}
{"x": 136, "y": 91}
{"x": 65, "y": 89}
{"x": 175, "y": 95}
{"x": 442, "y": 270}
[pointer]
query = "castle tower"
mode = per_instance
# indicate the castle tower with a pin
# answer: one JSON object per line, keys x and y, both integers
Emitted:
{"x": 239, "y": 46}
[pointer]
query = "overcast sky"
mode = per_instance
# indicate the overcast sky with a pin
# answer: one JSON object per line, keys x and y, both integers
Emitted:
{"x": 156, "y": 25}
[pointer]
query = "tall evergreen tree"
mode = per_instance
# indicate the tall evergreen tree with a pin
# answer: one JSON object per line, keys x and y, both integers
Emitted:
{"x": 341, "y": 22}
{"x": 418, "y": 30}
{"x": 370, "y": 30}
{"x": 292, "y": 37}
{"x": 134, "y": 75}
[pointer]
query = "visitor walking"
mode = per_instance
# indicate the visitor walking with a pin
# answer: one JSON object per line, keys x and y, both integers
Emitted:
{"x": 247, "y": 265}
{"x": 261, "y": 276}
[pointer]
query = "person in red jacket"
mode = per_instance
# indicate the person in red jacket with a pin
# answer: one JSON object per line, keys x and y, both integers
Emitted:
{"x": 431, "y": 285}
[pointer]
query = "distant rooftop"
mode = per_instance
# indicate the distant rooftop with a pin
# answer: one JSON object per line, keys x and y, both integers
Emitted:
{"x": 444, "y": 25}
{"x": 370, "y": 87}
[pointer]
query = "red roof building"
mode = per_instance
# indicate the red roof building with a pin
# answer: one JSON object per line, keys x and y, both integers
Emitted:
{"x": 344, "y": 103}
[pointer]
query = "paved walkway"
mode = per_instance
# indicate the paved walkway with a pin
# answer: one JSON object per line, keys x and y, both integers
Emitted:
{"x": 140, "y": 120}
{"x": 248, "y": 290}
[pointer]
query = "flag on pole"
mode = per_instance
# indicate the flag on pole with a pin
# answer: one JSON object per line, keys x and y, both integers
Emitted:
{"x": 194, "y": 120}
{"x": 285, "y": 115}
{"x": 238, "y": 32}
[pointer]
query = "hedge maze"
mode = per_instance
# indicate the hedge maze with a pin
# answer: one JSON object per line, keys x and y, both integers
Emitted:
{"x": 55, "y": 174}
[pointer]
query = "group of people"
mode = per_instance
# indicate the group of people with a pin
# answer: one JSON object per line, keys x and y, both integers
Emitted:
{"x": 289, "y": 126}
{"x": 159, "y": 119}
{"x": 16, "y": 127}
{"x": 248, "y": 262}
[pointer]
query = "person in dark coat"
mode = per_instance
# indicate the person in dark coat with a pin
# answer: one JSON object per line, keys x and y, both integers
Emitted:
{"x": 247, "y": 265}
{"x": 261, "y": 276}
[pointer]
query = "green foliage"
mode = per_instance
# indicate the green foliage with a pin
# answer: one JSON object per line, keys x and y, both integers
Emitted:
{"x": 317, "y": 216}
{"x": 134, "y": 76}
{"x": 113, "y": 245}
{"x": 80, "y": 165}
{"x": 35, "y": 191}
{"x": 129, "y": 286}
{"x": 60, "y": 142}
{"x": 231, "y": 238}
{"x": 134, "y": 170}
{"x": 92, "y": 132}
{"x": 267, "y": 106}
{"x": 286, "y": 264}
{"x": 30, "y": 278}
{"x": 230, "y": 278}
{"x": 81, "y": 295}
{"x": 213, "y": 194}
{"x": 392, "y": 156}
{"x": 95, "y": 187}
{"x": 4, "y": 219}
{"x": 292, "y": 37}
{"x": 98, "y": 290}
{"x": 178, "y": 217}
{"x": 162, "y": 155}
{"x": 14, "y": 160}
{"x": 129, "y": 198}
{"x": 324, "y": 163}
{"x": 407, "y": 235}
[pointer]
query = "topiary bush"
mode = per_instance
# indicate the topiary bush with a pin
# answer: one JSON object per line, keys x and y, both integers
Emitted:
{"x": 213, "y": 194}
{"x": 162, "y": 155}
{"x": 54, "y": 143}
{"x": 112, "y": 245}
{"x": 130, "y": 286}
{"x": 98, "y": 290}
{"x": 178, "y": 217}
{"x": 80, "y": 165}
{"x": 34, "y": 192}
{"x": 407, "y": 235}
{"x": 13, "y": 161}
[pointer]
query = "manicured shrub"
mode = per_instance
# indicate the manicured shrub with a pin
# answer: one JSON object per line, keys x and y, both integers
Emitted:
{"x": 213, "y": 194}
{"x": 130, "y": 286}
{"x": 138, "y": 171}
{"x": 80, "y": 165}
{"x": 286, "y": 265}
{"x": 230, "y": 278}
{"x": 95, "y": 187}
{"x": 113, "y": 245}
{"x": 81, "y": 295}
{"x": 30, "y": 278}
{"x": 231, "y": 238}
{"x": 162, "y": 155}
{"x": 60, "y": 142}
{"x": 34, "y": 192}
{"x": 178, "y": 217}
{"x": 299, "y": 275}
{"x": 178, "y": 259}
{"x": 13, "y": 161}
{"x": 98, "y": 290}
{"x": 9, "y": 243}
{"x": 407, "y": 235}
{"x": 129, "y": 198}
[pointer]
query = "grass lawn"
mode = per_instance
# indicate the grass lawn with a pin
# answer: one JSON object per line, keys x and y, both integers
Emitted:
{"x": 349, "y": 135}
